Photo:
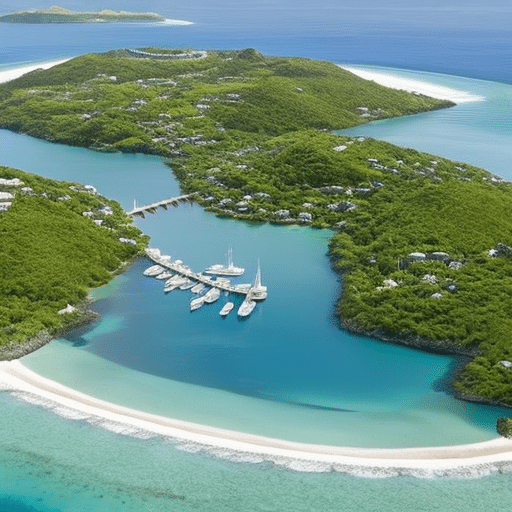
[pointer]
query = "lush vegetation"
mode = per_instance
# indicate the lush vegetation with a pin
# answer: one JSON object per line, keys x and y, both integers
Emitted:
{"x": 115, "y": 101}
{"x": 51, "y": 254}
{"x": 504, "y": 427}
{"x": 253, "y": 136}
{"x": 60, "y": 15}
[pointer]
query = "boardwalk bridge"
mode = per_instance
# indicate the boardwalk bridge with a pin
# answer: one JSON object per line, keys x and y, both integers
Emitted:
{"x": 152, "y": 208}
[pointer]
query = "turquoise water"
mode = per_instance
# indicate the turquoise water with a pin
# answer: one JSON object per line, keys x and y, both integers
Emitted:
{"x": 50, "y": 463}
{"x": 479, "y": 133}
{"x": 54, "y": 463}
{"x": 286, "y": 372}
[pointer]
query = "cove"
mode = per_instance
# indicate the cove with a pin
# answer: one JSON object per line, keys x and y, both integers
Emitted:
{"x": 478, "y": 132}
{"x": 287, "y": 372}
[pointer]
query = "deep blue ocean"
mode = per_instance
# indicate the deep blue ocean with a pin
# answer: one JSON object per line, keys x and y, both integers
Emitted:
{"x": 312, "y": 382}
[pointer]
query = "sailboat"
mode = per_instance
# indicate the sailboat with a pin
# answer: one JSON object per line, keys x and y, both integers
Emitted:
{"x": 229, "y": 270}
{"x": 258, "y": 291}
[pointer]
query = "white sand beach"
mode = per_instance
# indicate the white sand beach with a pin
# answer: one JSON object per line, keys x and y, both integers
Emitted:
{"x": 12, "y": 73}
{"x": 464, "y": 460}
{"x": 389, "y": 79}
{"x": 177, "y": 22}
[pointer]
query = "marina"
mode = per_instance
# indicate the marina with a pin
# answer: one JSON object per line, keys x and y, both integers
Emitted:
{"x": 185, "y": 279}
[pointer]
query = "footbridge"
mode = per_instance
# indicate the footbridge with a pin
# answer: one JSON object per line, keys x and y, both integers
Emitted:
{"x": 153, "y": 207}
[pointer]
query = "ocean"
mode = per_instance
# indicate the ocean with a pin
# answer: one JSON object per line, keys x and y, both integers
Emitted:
{"x": 328, "y": 386}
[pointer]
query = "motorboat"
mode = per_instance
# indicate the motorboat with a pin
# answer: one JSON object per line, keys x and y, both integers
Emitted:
{"x": 197, "y": 288}
{"x": 154, "y": 270}
{"x": 174, "y": 282}
{"x": 196, "y": 303}
{"x": 229, "y": 270}
{"x": 211, "y": 295}
{"x": 187, "y": 284}
{"x": 226, "y": 309}
{"x": 164, "y": 275}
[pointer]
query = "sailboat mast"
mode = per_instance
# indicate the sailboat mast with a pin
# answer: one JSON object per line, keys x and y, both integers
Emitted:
{"x": 257, "y": 281}
{"x": 230, "y": 258}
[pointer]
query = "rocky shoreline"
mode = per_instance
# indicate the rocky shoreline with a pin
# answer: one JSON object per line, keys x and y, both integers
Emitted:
{"x": 441, "y": 347}
{"x": 18, "y": 350}
{"x": 84, "y": 316}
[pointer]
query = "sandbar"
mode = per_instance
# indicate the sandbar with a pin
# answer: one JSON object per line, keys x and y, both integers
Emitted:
{"x": 462, "y": 460}
{"x": 176, "y": 22}
{"x": 388, "y": 79}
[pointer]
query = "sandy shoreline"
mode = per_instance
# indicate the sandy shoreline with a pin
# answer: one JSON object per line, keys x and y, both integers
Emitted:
{"x": 482, "y": 457}
{"x": 11, "y": 74}
{"x": 388, "y": 79}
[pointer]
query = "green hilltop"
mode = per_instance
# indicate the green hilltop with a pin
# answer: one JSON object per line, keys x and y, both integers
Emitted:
{"x": 423, "y": 244}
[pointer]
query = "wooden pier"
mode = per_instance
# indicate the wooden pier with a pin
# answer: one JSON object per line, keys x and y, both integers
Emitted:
{"x": 152, "y": 208}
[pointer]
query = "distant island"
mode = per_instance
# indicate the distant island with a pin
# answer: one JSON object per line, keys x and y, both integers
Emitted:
{"x": 57, "y": 14}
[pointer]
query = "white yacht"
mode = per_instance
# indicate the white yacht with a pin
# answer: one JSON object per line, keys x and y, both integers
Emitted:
{"x": 187, "y": 284}
{"x": 226, "y": 309}
{"x": 211, "y": 295}
{"x": 174, "y": 282}
{"x": 164, "y": 275}
{"x": 196, "y": 303}
{"x": 247, "y": 307}
{"x": 229, "y": 270}
{"x": 154, "y": 270}
{"x": 199, "y": 287}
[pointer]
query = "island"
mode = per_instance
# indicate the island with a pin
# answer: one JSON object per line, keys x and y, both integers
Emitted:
{"x": 422, "y": 244}
{"x": 57, "y": 14}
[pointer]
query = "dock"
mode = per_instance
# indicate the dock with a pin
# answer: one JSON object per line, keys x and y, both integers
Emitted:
{"x": 178, "y": 267}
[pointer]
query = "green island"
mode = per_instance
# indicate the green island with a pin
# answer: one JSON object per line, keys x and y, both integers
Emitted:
{"x": 422, "y": 244}
{"x": 57, "y": 14}
{"x": 57, "y": 240}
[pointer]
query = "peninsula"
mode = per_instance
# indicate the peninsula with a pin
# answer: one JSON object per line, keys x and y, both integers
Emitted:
{"x": 58, "y": 240}
{"x": 421, "y": 243}
{"x": 57, "y": 14}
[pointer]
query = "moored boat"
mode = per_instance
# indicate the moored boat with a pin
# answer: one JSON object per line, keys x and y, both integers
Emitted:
{"x": 258, "y": 291}
{"x": 247, "y": 307}
{"x": 211, "y": 295}
{"x": 229, "y": 270}
{"x": 226, "y": 309}
{"x": 174, "y": 282}
{"x": 153, "y": 271}
{"x": 196, "y": 303}
{"x": 199, "y": 287}
{"x": 164, "y": 275}
{"x": 187, "y": 284}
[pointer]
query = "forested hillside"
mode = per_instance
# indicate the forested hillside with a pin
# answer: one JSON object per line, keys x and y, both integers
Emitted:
{"x": 51, "y": 254}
